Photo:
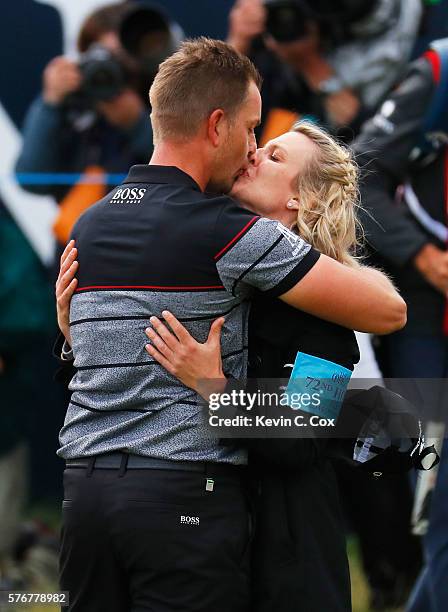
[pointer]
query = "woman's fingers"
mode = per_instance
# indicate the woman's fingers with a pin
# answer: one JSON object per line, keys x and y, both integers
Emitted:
{"x": 68, "y": 261}
{"x": 160, "y": 358}
{"x": 65, "y": 279}
{"x": 70, "y": 258}
{"x": 169, "y": 338}
{"x": 66, "y": 295}
{"x": 181, "y": 332}
{"x": 67, "y": 250}
{"x": 159, "y": 343}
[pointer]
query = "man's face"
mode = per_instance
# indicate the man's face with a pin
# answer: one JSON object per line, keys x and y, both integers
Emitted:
{"x": 271, "y": 180}
{"x": 239, "y": 145}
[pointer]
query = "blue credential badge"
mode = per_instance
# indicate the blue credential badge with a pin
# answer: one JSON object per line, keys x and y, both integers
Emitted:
{"x": 318, "y": 378}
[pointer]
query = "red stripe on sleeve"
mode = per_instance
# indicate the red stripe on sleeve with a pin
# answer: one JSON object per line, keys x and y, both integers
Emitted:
{"x": 434, "y": 60}
{"x": 445, "y": 177}
{"x": 235, "y": 238}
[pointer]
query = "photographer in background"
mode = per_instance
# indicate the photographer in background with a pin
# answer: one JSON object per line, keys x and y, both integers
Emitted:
{"x": 92, "y": 116}
{"x": 332, "y": 59}
{"x": 403, "y": 151}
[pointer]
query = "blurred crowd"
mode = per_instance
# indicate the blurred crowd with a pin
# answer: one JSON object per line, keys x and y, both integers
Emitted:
{"x": 362, "y": 69}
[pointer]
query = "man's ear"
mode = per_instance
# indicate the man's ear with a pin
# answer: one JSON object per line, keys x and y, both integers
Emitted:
{"x": 216, "y": 127}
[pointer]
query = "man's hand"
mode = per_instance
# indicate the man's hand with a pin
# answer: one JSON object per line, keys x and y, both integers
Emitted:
{"x": 61, "y": 77}
{"x": 432, "y": 263}
{"x": 247, "y": 20}
{"x": 124, "y": 110}
{"x": 65, "y": 287}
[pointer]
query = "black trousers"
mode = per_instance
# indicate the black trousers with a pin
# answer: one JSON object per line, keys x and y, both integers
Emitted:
{"x": 155, "y": 540}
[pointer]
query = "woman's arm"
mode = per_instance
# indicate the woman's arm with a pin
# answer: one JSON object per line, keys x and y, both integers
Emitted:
{"x": 363, "y": 299}
{"x": 65, "y": 287}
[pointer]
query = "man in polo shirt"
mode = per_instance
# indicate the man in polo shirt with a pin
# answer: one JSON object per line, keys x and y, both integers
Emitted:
{"x": 155, "y": 513}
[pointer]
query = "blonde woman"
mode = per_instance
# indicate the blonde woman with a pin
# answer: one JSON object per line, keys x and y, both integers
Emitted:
{"x": 306, "y": 180}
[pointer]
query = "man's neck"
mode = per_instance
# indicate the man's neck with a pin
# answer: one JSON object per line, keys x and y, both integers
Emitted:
{"x": 187, "y": 157}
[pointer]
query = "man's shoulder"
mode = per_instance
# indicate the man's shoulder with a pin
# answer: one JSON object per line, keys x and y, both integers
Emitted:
{"x": 221, "y": 214}
{"x": 226, "y": 205}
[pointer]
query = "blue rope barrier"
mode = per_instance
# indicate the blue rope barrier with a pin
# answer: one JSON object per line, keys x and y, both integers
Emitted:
{"x": 61, "y": 178}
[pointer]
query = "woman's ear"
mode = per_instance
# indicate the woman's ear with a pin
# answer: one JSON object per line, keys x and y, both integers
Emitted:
{"x": 293, "y": 204}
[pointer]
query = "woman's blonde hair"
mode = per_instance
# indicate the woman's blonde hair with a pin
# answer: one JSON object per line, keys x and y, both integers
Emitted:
{"x": 328, "y": 197}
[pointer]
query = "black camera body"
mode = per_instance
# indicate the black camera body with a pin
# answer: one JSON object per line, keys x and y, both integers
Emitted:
{"x": 103, "y": 75}
{"x": 287, "y": 19}
{"x": 147, "y": 36}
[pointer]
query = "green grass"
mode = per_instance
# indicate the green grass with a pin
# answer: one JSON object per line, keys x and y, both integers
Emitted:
{"x": 48, "y": 513}
{"x": 360, "y": 587}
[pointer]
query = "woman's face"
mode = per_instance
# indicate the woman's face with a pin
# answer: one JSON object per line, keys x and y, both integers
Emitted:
{"x": 270, "y": 182}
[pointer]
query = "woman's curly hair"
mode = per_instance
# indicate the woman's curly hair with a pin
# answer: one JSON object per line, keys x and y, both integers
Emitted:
{"x": 329, "y": 197}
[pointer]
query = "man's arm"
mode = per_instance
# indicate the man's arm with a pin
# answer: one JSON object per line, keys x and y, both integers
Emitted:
{"x": 362, "y": 299}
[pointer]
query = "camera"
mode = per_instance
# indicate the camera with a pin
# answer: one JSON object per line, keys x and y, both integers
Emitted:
{"x": 149, "y": 37}
{"x": 103, "y": 75}
{"x": 287, "y": 19}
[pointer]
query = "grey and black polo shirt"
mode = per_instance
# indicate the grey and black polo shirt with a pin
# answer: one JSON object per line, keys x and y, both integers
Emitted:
{"x": 158, "y": 242}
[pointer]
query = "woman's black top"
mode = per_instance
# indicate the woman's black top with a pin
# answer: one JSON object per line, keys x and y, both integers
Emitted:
{"x": 299, "y": 561}
{"x": 278, "y": 331}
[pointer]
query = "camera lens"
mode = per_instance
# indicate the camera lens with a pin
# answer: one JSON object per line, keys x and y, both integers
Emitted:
{"x": 286, "y": 19}
{"x": 144, "y": 31}
{"x": 103, "y": 75}
{"x": 146, "y": 34}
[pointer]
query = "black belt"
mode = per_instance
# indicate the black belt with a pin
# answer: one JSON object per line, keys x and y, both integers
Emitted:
{"x": 114, "y": 461}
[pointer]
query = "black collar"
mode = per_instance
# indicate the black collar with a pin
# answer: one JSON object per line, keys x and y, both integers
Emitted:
{"x": 151, "y": 173}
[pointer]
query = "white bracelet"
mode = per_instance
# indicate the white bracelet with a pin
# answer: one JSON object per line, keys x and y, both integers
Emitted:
{"x": 67, "y": 352}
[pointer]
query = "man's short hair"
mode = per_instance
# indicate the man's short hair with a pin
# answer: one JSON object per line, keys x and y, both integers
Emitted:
{"x": 203, "y": 75}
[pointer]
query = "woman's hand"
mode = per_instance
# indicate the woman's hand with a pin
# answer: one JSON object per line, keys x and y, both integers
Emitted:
{"x": 197, "y": 365}
{"x": 65, "y": 287}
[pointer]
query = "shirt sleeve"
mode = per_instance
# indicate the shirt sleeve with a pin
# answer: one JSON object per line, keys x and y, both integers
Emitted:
{"x": 383, "y": 151}
{"x": 257, "y": 253}
{"x": 41, "y": 147}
